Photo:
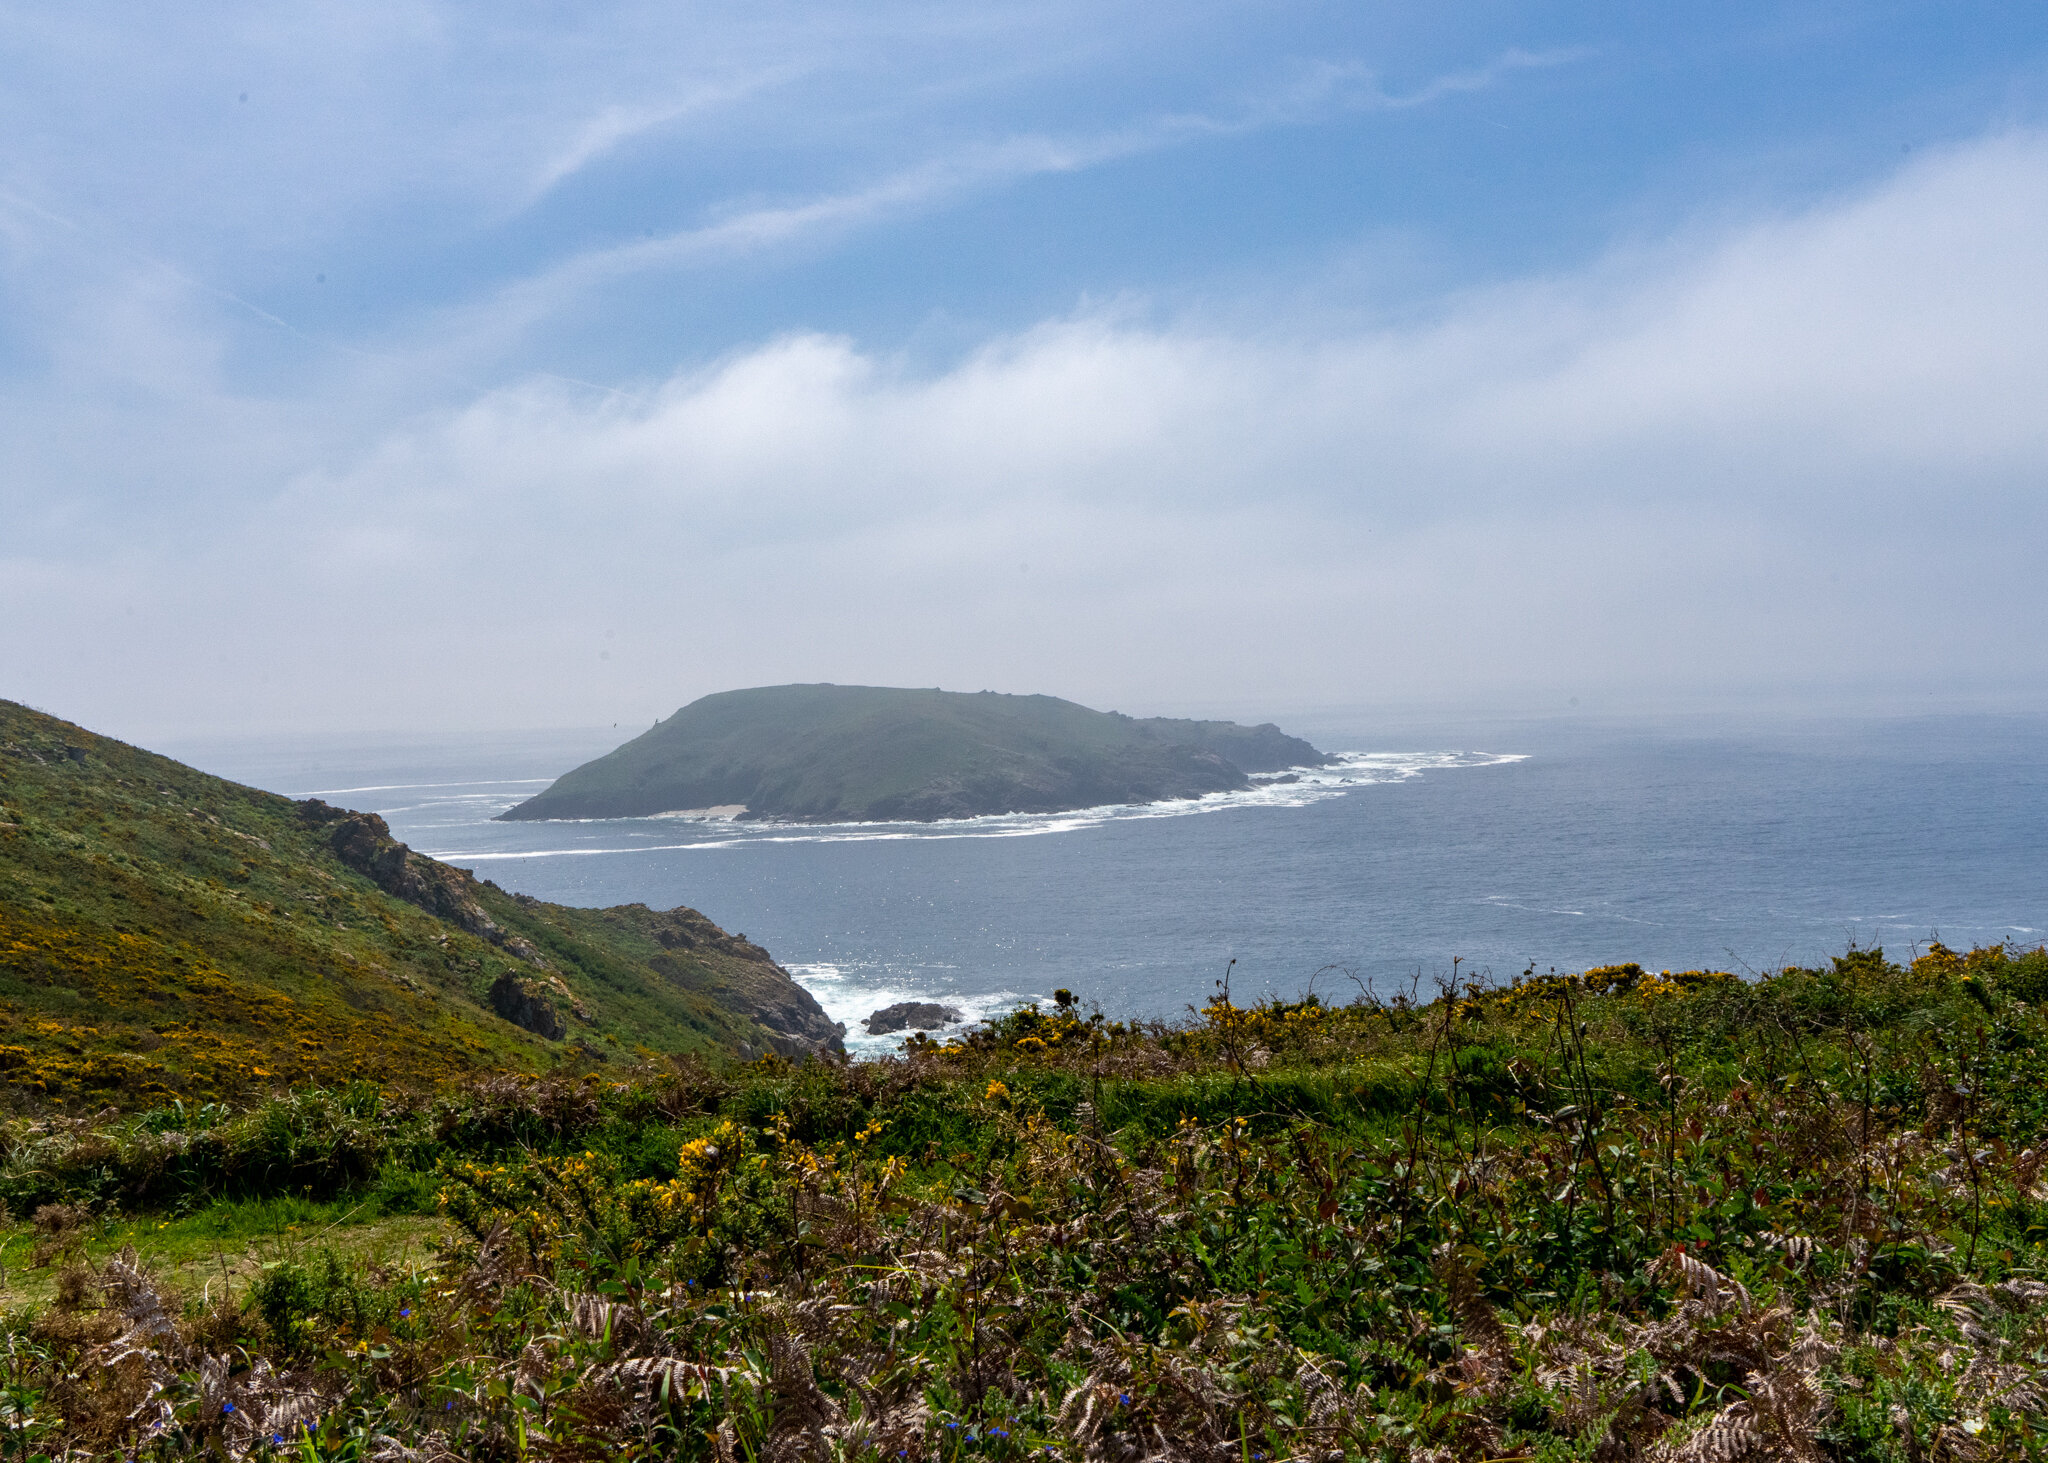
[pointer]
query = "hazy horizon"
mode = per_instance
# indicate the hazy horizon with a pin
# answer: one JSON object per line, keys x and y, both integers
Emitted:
{"x": 1436, "y": 722}
{"x": 441, "y": 370}
{"x": 301, "y": 763}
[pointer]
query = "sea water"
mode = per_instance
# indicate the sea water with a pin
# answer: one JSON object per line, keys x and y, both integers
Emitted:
{"x": 1439, "y": 852}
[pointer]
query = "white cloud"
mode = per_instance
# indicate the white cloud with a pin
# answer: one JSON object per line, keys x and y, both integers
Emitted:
{"x": 1801, "y": 455}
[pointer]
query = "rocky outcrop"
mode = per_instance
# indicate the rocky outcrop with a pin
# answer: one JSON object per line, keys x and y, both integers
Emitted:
{"x": 1251, "y": 749}
{"x": 911, "y": 1016}
{"x": 686, "y": 929}
{"x": 363, "y": 841}
{"x": 525, "y": 1002}
{"x": 742, "y": 977}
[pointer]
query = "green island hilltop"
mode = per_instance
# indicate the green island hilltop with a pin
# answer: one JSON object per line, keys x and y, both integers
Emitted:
{"x": 825, "y": 753}
{"x": 164, "y": 933}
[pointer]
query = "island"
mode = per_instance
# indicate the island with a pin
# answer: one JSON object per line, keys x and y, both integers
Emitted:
{"x": 837, "y": 754}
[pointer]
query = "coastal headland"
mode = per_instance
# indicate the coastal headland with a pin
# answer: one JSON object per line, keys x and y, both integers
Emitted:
{"x": 169, "y": 934}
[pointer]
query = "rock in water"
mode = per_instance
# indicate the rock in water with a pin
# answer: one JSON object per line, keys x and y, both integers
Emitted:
{"x": 908, "y": 1015}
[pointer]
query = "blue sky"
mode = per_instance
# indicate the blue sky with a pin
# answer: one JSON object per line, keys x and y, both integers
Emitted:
{"x": 450, "y": 367}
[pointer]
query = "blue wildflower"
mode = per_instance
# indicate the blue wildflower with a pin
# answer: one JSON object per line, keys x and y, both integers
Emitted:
{"x": 404, "y": 1311}
{"x": 227, "y": 1407}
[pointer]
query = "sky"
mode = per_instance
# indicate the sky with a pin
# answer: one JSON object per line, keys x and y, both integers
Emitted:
{"x": 460, "y": 368}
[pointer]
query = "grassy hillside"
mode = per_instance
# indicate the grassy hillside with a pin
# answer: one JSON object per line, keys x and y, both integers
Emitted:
{"x": 163, "y": 932}
{"x": 1609, "y": 1216}
{"x": 869, "y": 753}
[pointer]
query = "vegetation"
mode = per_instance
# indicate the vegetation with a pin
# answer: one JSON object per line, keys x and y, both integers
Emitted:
{"x": 1603, "y": 1216}
{"x": 870, "y": 753}
{"x": 165, "y": 933}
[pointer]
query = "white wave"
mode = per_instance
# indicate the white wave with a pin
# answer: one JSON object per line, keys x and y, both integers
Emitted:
{"x": 1311, "y": 785}
{"x": 1501, "y": 901}
{"x": 590, "y": 852}
{"x": 327, "y": 792}
{"x": 491, "y": 802}
{"x": 850, "y": 994}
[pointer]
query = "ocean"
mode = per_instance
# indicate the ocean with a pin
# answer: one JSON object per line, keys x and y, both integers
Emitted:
{"x": 1483, "y": 849}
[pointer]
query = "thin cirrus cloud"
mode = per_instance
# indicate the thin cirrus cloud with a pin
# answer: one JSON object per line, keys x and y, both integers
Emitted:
{"x": 615, "y": 126}
{"x": 736, "y": 230}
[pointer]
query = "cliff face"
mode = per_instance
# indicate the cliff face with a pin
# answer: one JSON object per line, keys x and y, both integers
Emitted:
{"x": 743, "y": 978}
{"x": 876, "y": 754}
{"x": 163, "y": 932}
{"x": 363, "y": 841}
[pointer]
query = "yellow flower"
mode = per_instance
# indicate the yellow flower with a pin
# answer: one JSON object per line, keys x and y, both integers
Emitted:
{"x": 997, "y": 1092}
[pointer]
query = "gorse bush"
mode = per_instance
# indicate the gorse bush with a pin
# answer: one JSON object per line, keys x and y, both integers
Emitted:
{"x": 1624, "y": 1214}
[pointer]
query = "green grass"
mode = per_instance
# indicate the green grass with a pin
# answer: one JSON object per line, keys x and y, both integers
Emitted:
{"x": 219, "y": 1251}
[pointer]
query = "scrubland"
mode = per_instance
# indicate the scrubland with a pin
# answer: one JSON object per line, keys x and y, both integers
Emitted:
{"x": 1609, "y": 1215}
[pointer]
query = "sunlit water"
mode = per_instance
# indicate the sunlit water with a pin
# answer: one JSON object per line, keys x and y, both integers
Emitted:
{"x": 1553, "y": 845}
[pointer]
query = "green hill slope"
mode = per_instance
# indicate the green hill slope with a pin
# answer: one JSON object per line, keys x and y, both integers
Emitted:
{"x": 871, "y": 753}
{"x": 163, "y": 931}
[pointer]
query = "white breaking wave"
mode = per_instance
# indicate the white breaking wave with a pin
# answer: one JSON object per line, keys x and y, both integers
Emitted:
{"x": 850, "y": 994}
{"x": 325, "y": 792}
{"x": 1309, "y": 785}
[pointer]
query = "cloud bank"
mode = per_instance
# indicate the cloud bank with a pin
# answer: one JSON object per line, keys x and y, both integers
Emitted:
{"x": 1801, "y": 456}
